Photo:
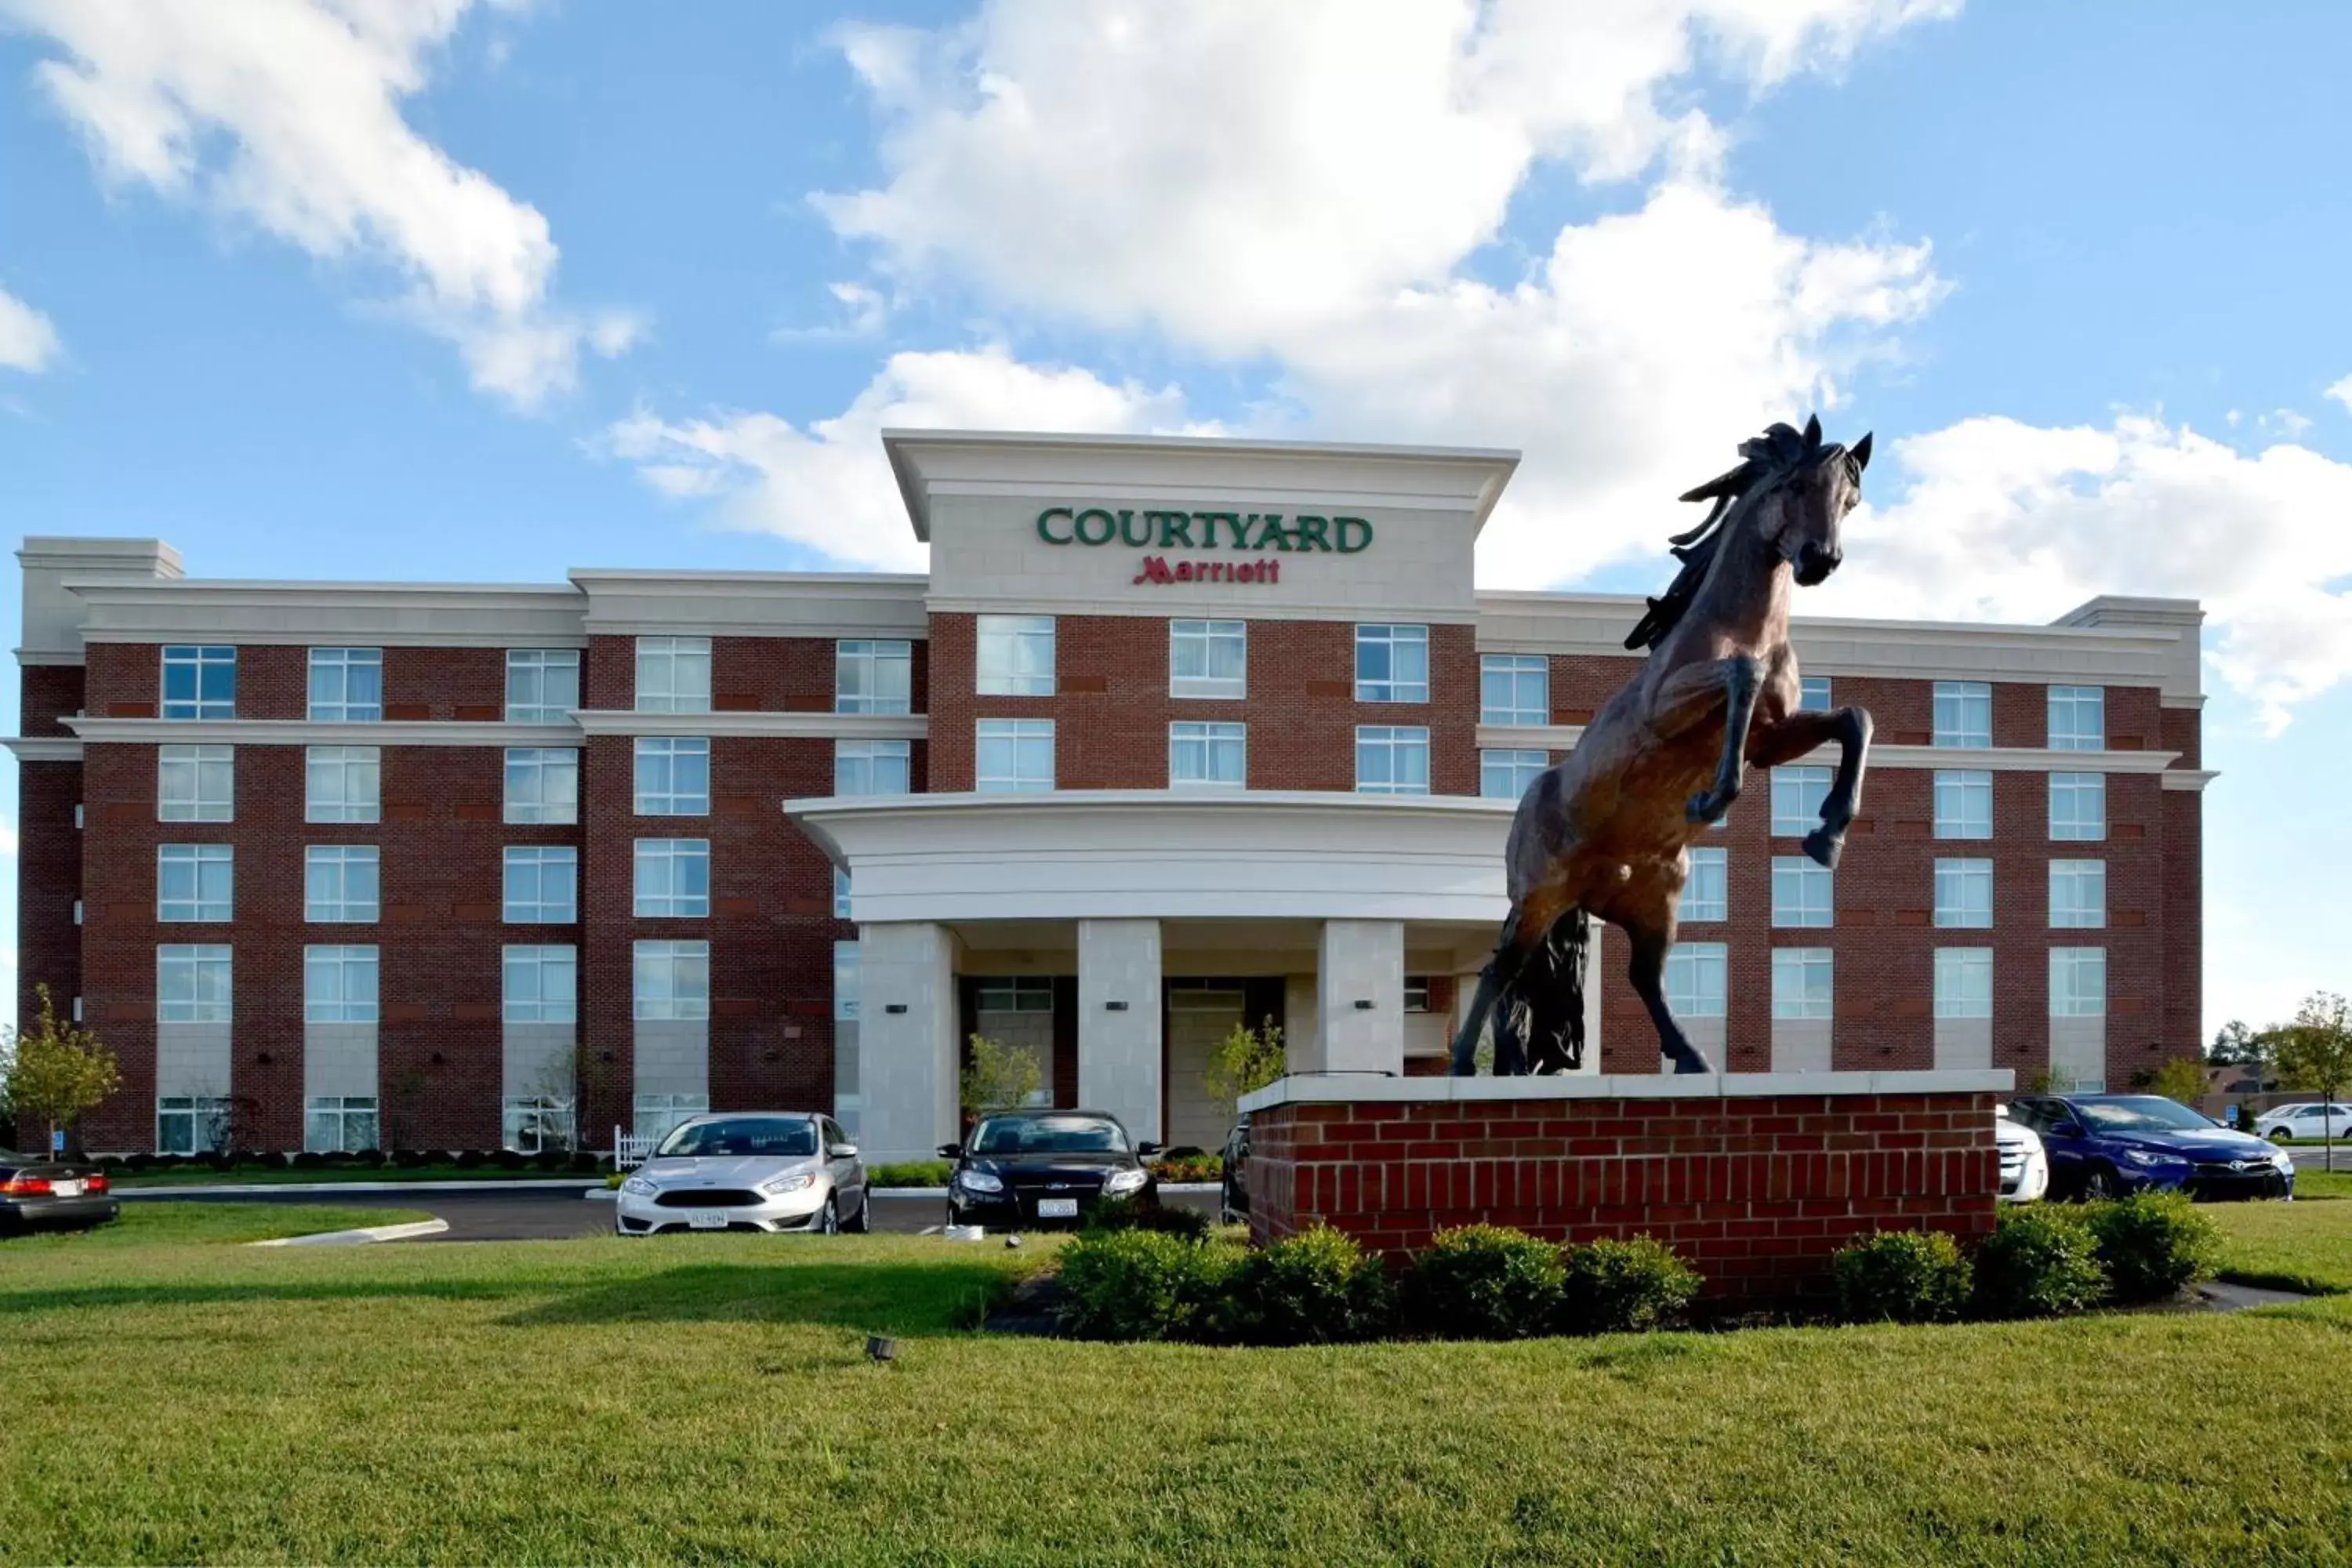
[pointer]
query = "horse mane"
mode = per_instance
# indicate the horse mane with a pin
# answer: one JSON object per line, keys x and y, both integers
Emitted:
{"x": 1769, "y": 461}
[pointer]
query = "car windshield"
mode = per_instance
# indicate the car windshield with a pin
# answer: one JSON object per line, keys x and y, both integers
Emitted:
{"x": 783, "y": 1136}
{"x": 2142, "y": 1113}
{"x": 1049, "y": 1135}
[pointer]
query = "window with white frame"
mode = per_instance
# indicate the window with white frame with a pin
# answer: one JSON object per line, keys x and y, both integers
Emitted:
{"x": 659, "y": 1115}
{"x": 541, "y": 984}
{"x": 1391, "y": 759}
{"x": 1812, "y": 694}
{"x": 1801, "y": 983}
{"x": 339, "y": 985}
{"x": 1510, "y": 774}
{"x": 346, "y": 685}
{"x": 1797, "y": 796}
{"x": 2078, "y": 981}
{"x": 1013, "y": 756}
{"x": 194, "y": 882}
{"x": 1016, "y": 655}
{"x": 195, "y": 783}
{"x": 192, "y": 983}
{"x": 673, "y": 675}
{"x": 847, "y": 975}
{"x": 2078, "y": 895}
{"x": 1706, "y": 894}
{"x": 1392, "y": 664}
{"x": 670, "y": 980}
{"x": 543, "y": 684}
{"x": 342, "y": 783}
{"x": 339, "y": 1123}
{"x": 1963, "y": 804}
{"x": 542, "y": 885}
{"x": 199, "y": 682}
{"x": 536, "y": 1123}
{"x": 2078, "y": 718}
{"x": 1963, "y": 894}
{"x": 1802, "y": 894}
{"x": 1694, "y": 980}
{"x": 1416, "y": 993}
{"x": 1207, "y": 756}
{"x": 1963, "y": 713}
{"x": 1014, "y": 994}
{"x": 191, "y": 1124}
{"x": 1514, "y": 689}
{"x": 673, "y": 777}
{"x": 870, "y": 767}
{"x": 1964, "y": 982}
{"x": 2078, "y": 806}
{"x": 840, "y": 894}
{"x": 673, "y": 878}
{"x": 342, "y": 883}
{"x": 542, "y": 783}
{"x": 872, "y": 676}
{"x": 1208, "y": 659}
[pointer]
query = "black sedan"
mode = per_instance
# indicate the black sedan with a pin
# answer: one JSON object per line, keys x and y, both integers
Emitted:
{"x": 42, "y": 1189}
{"x": 1021, "y": 1169}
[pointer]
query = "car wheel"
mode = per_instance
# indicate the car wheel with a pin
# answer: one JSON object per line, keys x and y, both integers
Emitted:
{"x": 863, "y": 1222}
{"x": 828, "y": 1223}
{"x": 2279, "y": 1134}
{"x": 2100, "y": 1185}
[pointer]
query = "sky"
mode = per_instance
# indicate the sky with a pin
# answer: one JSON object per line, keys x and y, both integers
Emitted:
{"x": 485, "y": 289}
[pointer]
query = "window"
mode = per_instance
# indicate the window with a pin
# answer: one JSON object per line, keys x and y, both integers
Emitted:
{"x": 1797, "y": 797}
{"x": 847, "y": 974}
{"x": 1706, "y": 895}
{"x": 659, "y": 1115}
{"x": 2078, "y": 718}
{"x": 339, "y": 985}
{"x": 1694, "y": 980}
{"x": 1016, "y": 655}
{"x": 1812, "y": 694}
{"x": 840, "y": 894}
{"x": 192, "y": 983}
{"x": 873, "y": 677}
{"x": 1963, "y": 894}
{"x": 870, "y": 767}
{"x": 339, "y": 1125}
{"x": 340, "y": 882}
{"x": 1391, "y": 759}
{"x": 1015, "y": 993}
{"x": 541, "y": 984}
{"x": 2078, "y": 894}
{"x": 2078, "y": 981}
{"x": 195, "y": 783}
{"x": 1964, "y": 982}
{"x": 1392, "y": 664}
{"x": 534, "y": 1124}
{"x": 1014, "y": 755}
{"x": 187, "y": 1124}
{"x": 1416, "y": 993}
{"x": 673, "y": 777}
{"x": 543, "y": 885}
{"x": 672, "y": 980}
{"x": 673, "y": 675}
{"x": 199, "y": 683}
{"x": 346, "y": 685}
{"x": 1801, "y": 893}
{"x": 1963, "y": 713}
{"x": 673, "y": 878}
{"x": 1514, "y": 689}
{"x": 543, "y": 684}
{"x": 342, "y": 783}
{"x": 1208, "y": 659}
{"x": 1800, "y": 983}
{"x": 2078, "y": 806}
{"x": 542, "y": 783}
{"x": 1964, "y": 805}
{"x": 1207, "y": 756}
{"x": 194, "y": 881}
{"x": 1508, "y": 775}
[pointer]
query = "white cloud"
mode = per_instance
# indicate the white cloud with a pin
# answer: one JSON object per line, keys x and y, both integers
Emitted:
{"x": 27, "y": 340}
{"x": 2342, "y": 392}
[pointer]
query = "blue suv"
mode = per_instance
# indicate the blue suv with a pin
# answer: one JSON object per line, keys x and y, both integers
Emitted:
{"x": 2104, "y": 1145}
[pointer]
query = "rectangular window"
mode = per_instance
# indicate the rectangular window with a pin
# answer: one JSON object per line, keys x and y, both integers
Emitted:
{"x": 1963, "y": 894}
{"x": 2078, "y": 718}
{"x": 2078, "y": 895}
{"x": 543, "y": 684}
{"x": 1016, "y": 655}
{"x": 339, "y": 985}
{"x": 199, "y": 682}
{"x": 1797, "y": 797}
{"x": 1706, "y": 895}
{"x": 1694, "y": 980}
{"x": 1963, "y": 713}
{"x": 542, "y": 783}
{"x": 1507, "y": 776}
{"x": 339, "y": 1123}
{"x": 1208, "y": 659}
{"x": 1963, "y": 804}
{"x": 1514, "y": 689}
{"x": 1964, "y": 982}
{"x": 541, "y": 984}
{"x": 673, "y": 777}
{"x": 1207, "y": 756}
{"x": 194, "y": 1124}
{"x": 543, "y": 885}
{"x": 195, "y": 783}
{"x": 659, "y": 1115}
{"x": 1802, "y": 894}
{"x": 194, "y": 882}
{"x": 870, "y": 767}
{"x": 673, "y": 675}
{"x": 671, "y": 980}
{"x": 871, "y": 676}
{"x": 342, "y": 783}
{"x": 346, "y": 685}
{"x": 1392, "y": 664}
{"x": 847, "y": 974}
{"x": 1013, "y": 756}
{"x": 1801, "y": 983}
{"x": 2078, "y": 981}
{"x": 673, "y": 878}
{"x": 2078, "y": 806}
{"x": 192, "y": 983}
{"x": 1391, "y": 759}
{"x": 1015, "y": 993}
{"x": 341, "y": 883}
{"x": 1812, "y": 694}
{"x": 840, "y": 894}
{"x": 534, "y": 1124}
{"x": 1416, "y": 993}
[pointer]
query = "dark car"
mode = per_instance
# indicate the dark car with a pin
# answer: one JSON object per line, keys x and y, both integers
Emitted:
{"x": 1233, "y": 1196}
{"x": 38, "y": 1190}
{"x": 1019, "y": 1170}
{"x": 2104, "y": 1145}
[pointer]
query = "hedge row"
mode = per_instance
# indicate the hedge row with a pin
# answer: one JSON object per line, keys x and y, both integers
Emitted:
{"x": 367, "y": 1160}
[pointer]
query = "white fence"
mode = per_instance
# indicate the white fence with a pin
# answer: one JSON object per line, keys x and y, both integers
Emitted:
{"x": 629, "y": 1151}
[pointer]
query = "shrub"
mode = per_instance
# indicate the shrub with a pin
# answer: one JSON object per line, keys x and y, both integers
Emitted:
{"x": 1196, "y": 1168}
{"x": 1484, "y": 1283}
{"x": 1614, "y": 1287}
{"x": 470, "y": 1160}
{"x": 909, "y": 1173}
{"x": 1140, "y": 1285}
{"x": 1126, "y": 1213}
{"x": 2152, "y": 1244}
{"x": 1314, "y": 1288}
{"x": 307, "y": 1160}
{"x": 1904, "y": 1276}
{"x": 2039, "y": 1262}
{"x": 585, "y": 1161}
{"x": 509, "y": 1159}
{"x": 410, "y": 1159}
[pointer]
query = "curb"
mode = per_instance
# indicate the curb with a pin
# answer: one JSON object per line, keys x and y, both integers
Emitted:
{"x": 360, "y": 1238}
{"x": 263, "y": 1189}
{"x": 1195, "y": 1189}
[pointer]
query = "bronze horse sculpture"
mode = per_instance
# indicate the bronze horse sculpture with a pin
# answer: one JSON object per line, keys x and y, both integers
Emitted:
{"x": 1604, "y": 833}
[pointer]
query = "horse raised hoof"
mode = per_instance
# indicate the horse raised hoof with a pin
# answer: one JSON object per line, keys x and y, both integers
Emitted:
{"x": 1825, "y": 848}
{"x": 1691, "y": 1061}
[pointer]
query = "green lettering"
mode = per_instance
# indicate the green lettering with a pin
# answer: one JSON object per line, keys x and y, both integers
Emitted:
{"x": 1208, "y": 522}
{"x": 1127, "y": 529}
{"x": 1234, "y": 521}
{"x": 1175, "y": 528}
{"x": 1110, "y": 527}
{"x": 1310, "y": 526}
{"x": 1274, "y": 535}
{"x": 1047, "y": 535}
{"x": 1363, "y": 536}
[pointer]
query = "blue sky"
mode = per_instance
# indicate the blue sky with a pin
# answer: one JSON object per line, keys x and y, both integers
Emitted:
{"x": 483, "y": 292}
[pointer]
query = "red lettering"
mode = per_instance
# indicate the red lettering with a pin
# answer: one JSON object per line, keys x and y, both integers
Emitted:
{"x": 1155, "y": 569}
{"x": 1183, "y": 571}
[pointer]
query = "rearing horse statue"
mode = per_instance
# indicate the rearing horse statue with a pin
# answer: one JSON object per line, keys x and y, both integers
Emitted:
{"x": 1604, "y": 833}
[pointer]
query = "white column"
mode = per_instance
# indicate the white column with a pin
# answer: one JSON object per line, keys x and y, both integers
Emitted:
{"x": 905, "y": 1039}
{"x": 1118, "y": 1021}
{"x": 1359, "y": 998}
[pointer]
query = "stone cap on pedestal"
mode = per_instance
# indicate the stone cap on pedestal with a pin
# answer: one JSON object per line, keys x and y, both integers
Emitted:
{"x": 1332, "y": 1088}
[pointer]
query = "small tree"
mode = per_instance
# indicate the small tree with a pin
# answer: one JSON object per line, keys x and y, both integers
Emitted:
{"x": 55, "y": 1071}
{"x": 1244, "y": 1062}
{"x": 2234, "y": 1043}
{"x": 996, "y": 1075}
{"x": 2314, "y": 1053}
{"x": 2179, "y": 1078}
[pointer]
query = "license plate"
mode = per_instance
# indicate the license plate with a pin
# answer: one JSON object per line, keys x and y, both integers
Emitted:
{"x": 1057, "y": 1208}
{"x": 706, "y": 1219}
{"x": 67, "y": 1189}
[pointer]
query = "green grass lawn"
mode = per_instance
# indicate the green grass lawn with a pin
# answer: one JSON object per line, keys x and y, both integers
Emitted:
{"x": 707, "y": 1397}
{"x": 279, "y": 1176}
{"x": 144, "y": 1226}
{"x": 2302, "y": 1246}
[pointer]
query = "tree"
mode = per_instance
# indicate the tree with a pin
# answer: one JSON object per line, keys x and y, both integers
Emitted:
{"x": 1244, "y": 1062}
{"x": 55, "y": 1071}
{"x": 2179, "y": 1078}
{"x": 2314, "y": 1053}
{"x": 996, "y": 1075}
{"x": 2236, "y": 1044}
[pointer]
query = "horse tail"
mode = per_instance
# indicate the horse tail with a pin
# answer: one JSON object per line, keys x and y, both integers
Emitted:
{"x": 1546, "y": 1007}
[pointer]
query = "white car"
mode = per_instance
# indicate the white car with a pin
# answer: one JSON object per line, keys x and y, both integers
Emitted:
{"x": 2315, "y": 1118}
{"x": 2025, "y": 1163}
{"x": 755, "y": 1171}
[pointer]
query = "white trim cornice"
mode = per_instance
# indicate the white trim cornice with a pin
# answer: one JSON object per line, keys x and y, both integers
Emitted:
{"x": 765, "y": 726}
{"x": 43, "y": 748}
{"x": 305, "y": 732}
{"x": 1527, "y": 737}
{"x": 1987, "y": 759}
{"x": 2192, "y": 779}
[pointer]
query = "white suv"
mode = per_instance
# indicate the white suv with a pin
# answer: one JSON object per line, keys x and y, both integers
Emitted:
{"x": 2024, "y": 1164}
{"x": 2316, "y": 1119}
